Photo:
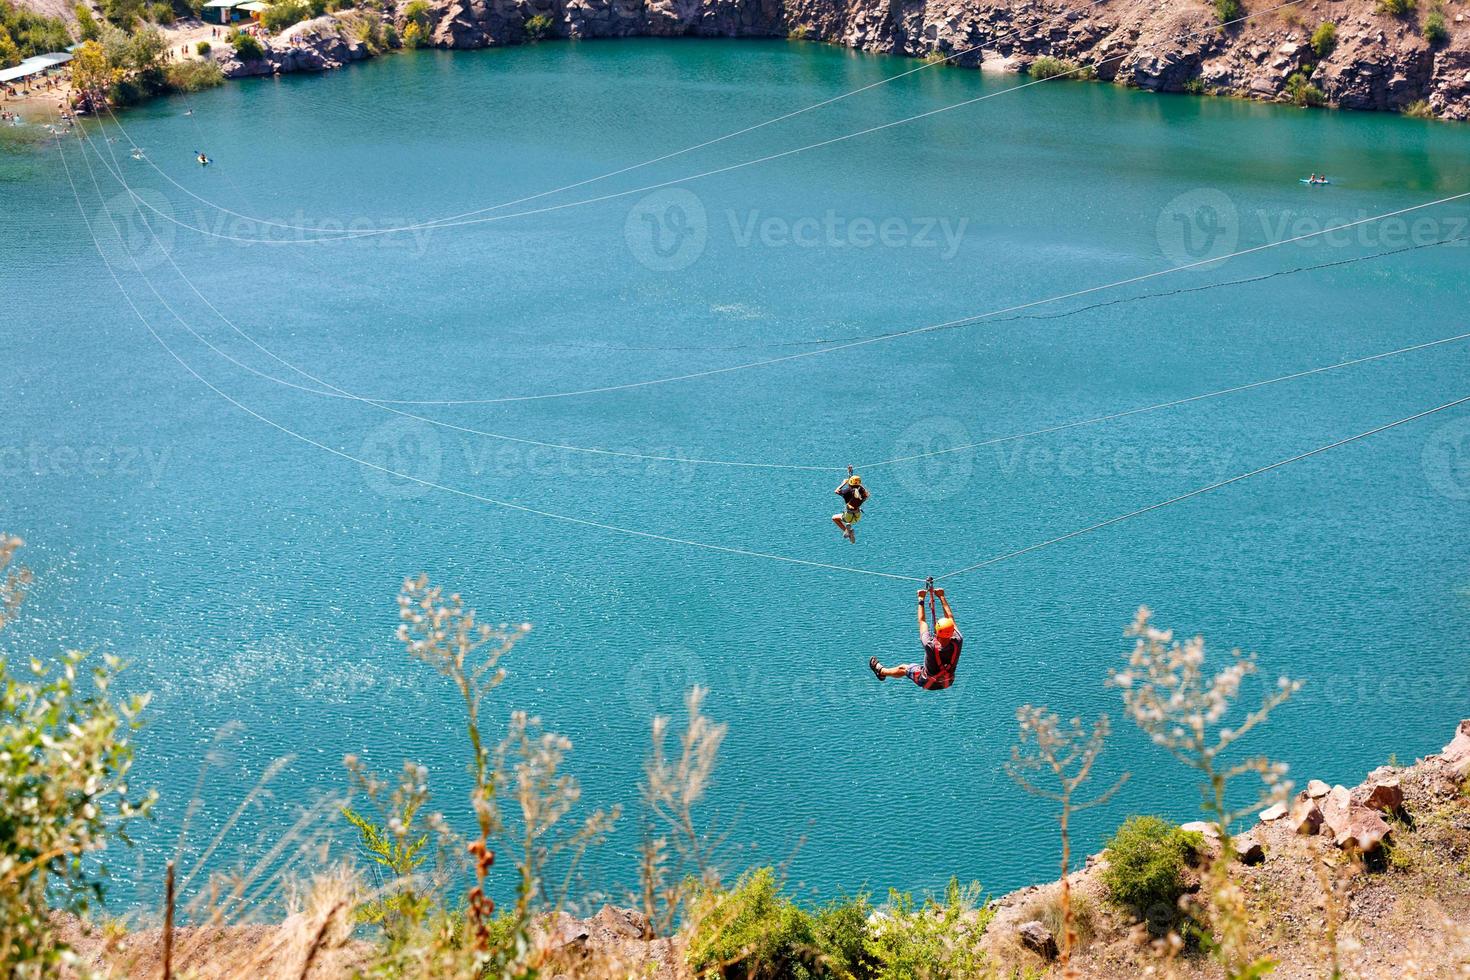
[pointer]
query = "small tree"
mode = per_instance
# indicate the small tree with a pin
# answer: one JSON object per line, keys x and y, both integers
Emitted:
{"x": 1324, "y": 39}
{"x": 1068, "y": 751}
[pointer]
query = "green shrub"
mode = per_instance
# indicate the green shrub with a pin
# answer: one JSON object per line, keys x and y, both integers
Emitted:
{"x": 1324, "y": 39}
{"x": 285, "y": 13}
{"x": 193, "y": 76}
{"x": 413, "y": 36}
{"x": 1395, "y": 8}
{"x": 1228, "y": 10}
{"x": 801, "y": 32}
{"x": 1146, "y": 861}
{"x": 203, "y": 48}
{"x": 28, "y": 33}
{"x": 1435, "y": 31}
{"x": 416, "y": 24}
{"x": 87, "y": 26}
{"x": 934, "y": 939}
{"x": 247, "y": 48}
{"x": 539, "y": 27}
{"x": 752, "y": 931}
{"x": 1048, "y": 67}
{"x": 162, "y": 13}
{"x": 1419, "y": 110}
{"x": 1196, "y": 86}
{"x": 1301, "y": 91}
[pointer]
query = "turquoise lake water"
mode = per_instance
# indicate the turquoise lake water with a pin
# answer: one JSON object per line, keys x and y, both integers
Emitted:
{"x": 249, "y": 576}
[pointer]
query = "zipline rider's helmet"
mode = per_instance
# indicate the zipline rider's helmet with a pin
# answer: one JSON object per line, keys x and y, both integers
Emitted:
{"x": 854, "y": 481}
{"x": 944, "y": 629}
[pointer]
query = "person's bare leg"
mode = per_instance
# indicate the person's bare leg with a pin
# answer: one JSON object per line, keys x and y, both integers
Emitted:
{"x": 884, "y": 673}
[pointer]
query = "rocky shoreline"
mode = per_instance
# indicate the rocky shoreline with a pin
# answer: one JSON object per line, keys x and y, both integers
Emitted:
{"x": 1377, "y": 61}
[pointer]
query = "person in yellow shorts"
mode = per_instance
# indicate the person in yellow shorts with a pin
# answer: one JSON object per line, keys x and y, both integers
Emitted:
{"x": 853, "y": 495}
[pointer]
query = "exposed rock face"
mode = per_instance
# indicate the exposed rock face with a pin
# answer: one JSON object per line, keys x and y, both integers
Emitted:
{"x": 1457, "y": 754}
{"x": 313, "y": 45}
{"x": 1379, "y": 62}
{"x": 1037, "y": 938}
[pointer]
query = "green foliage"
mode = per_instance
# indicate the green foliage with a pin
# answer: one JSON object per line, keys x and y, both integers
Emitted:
{"x": 754, "y": 932}
{"x": 1228, "y": 10}
{"x": 28, "y": 34}
{"x": 1396, "y": 8}
{"x": 194, "y": 76}
{"x": 87, "y": 27}
{"x": 539, "y": 27}
{"x": 401, "y": 851}
{"x": 1419, "y": 109}
{"x": 1435, "y": 31}
{"x": 65, "y": 753}
{"x": 367, "y": 27}
{"x": 1324, "y": 39}
{"x": 286, "y": 13}
{"x": 203, "y": 48}
{"x": 416, "y": 24}
{"x": 1146, "y": 861}
{"x": 1301, "y": 91}
{"x": 123, "y": 13}
{"x": 1048, "y": 67}
{"x": 931, "y": 940}
{"x": 1196, "y": 86}
{"x": 247, "y": 48}
{"x": 801, "y": 32}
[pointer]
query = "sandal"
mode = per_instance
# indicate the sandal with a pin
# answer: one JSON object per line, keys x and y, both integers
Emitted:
{"x": 875, "y": 668}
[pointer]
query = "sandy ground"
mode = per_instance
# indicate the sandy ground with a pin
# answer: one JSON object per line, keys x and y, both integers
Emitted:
{"x": 41, "y": 100}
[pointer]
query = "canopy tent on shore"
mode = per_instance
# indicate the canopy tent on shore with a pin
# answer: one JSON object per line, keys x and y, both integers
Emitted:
{"x": 37, "y": 65}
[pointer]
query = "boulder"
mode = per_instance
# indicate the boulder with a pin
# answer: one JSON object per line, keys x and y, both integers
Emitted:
{"x": 1038, "y": 938}
{"x": 1248, "y": 850}
{"x": 1335, "y": 810}
{"x": 1364, "y": 831}
{"x": 1316, "y": 789}
{"x": 1385, "y": 795}
{"x": 1306, "y": 815}
{"x": 1201, "y": 827}
{"x": 1457, "y": 753}
{"x": 1274, "y": 812}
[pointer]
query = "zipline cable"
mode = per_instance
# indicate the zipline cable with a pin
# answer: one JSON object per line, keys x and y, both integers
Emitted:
{"x": 353, "y": 236}
{"x": 894, "y": 335}
{"x": 389, "y": 471}
{"x": 704, "y": 461}
{"x": 1203, "y": 490}
{"x": 666, "y": 538}
{"x": 434, "y": 222}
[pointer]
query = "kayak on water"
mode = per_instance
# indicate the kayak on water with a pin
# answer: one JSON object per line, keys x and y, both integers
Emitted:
{"x": 1319, "y": 180}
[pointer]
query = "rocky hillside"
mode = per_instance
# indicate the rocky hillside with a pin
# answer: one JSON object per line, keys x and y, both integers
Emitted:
{"x": 1377, "y": 61}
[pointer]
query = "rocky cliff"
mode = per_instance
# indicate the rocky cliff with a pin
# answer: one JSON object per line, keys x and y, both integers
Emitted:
{"x": 1377, "y": 61}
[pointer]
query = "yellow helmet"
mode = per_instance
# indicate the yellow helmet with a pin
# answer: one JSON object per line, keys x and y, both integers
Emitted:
{"x": 854, "y": 481}
{"x": 944, "y": 629}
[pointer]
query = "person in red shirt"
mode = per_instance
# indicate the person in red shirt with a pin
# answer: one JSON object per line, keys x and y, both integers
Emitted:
{"x": 941, "y": 650}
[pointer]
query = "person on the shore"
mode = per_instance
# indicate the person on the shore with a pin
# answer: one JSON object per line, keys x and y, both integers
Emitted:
{"x": 941, "y": 651}
{"x": 853, "y": 495}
